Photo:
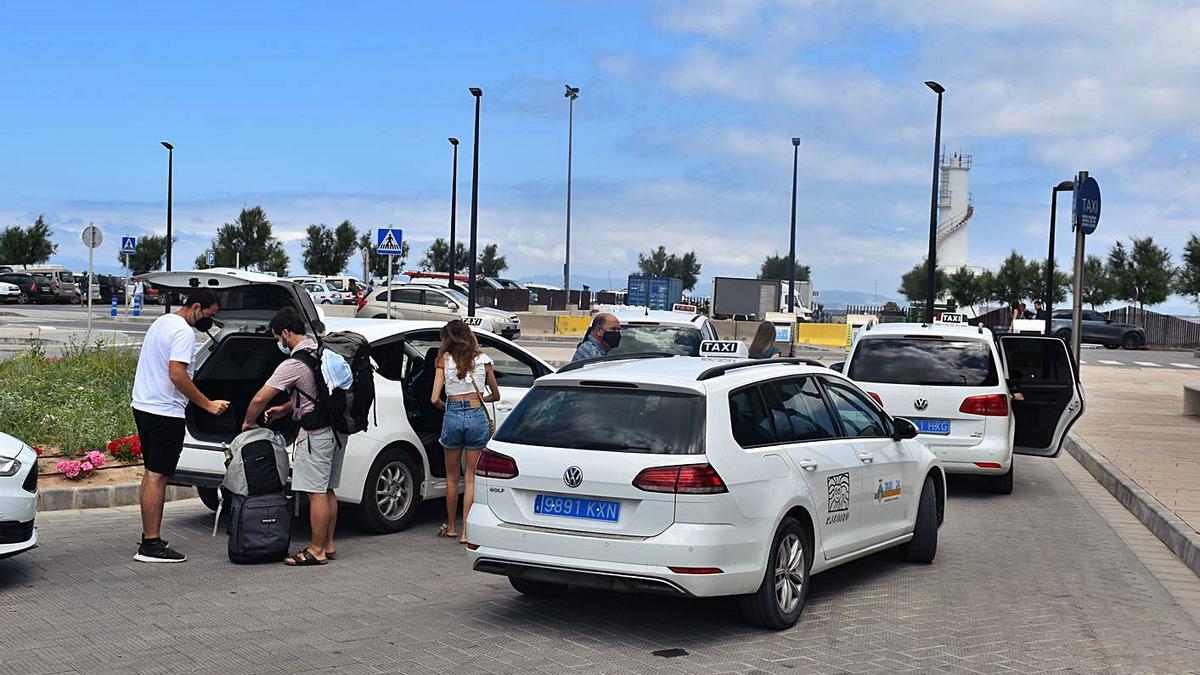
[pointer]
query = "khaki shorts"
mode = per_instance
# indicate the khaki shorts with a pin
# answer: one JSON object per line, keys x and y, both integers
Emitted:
{"x": 317, "y": 461}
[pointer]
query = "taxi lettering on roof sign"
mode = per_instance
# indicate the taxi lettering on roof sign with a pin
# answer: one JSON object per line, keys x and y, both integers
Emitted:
{"x": 724, "y": 348}
{"x": 681, "y": 307}
{"x": 479, "y": 321}
{"x": 952, "y": 318}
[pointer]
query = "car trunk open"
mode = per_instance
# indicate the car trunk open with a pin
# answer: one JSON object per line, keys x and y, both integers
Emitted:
{"x": 237, "y": 366}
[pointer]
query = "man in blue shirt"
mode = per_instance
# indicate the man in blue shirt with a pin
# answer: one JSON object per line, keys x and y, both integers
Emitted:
{"x": 603, "y": 336}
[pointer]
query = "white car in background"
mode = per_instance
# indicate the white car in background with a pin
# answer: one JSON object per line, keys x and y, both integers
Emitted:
{"x": 956, "y": 384}
{"x": 9, "y": 292}
{"x": 321, "y": 293}
{"x": 390, "y": 468}
{"x": 431, "y": 302}
{"x": 695, "y": 477}
{"x": 659, "y": 331}
{"x": 18, "y": 496}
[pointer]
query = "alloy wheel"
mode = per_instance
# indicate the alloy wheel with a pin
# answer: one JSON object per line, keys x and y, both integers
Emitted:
{"x": 789, "y": 573}
{"x": 394, "y": 490}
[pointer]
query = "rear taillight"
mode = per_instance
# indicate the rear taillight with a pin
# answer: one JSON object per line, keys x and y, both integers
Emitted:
{"x": 695, "y": 570}
{"x": 991, "y": 405}
{"x": 495, "y": 465}
{"x": 33, "y": 288}
{"x": 688, "y": 479}
{"x": 876, "y": 397}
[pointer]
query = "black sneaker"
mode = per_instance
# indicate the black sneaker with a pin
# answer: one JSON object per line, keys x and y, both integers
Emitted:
{"x": 158, "y": 551}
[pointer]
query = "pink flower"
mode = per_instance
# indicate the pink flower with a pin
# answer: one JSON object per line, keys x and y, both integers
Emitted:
{"x": 86, "y": 466}
{"x": 70, "y": 468}
{"x": 96, "y": 458}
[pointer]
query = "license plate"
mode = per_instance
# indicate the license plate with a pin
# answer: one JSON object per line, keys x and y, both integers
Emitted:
{"x": 577, "y": 507}
{"x": 933, "y": 426}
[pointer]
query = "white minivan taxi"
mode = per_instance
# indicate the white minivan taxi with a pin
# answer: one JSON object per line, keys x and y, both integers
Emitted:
{"x": 695, "y": 477}
{"x": 957, "y": 384}
{"x": 389, "y": 468}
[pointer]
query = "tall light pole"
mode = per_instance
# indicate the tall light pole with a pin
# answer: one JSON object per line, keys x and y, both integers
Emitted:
{"x": 792, "y": 249}
{"x": 453, "y": 208}
{"x": 1048, "y": 300}
{"x": 478, "y": 94}
{"x": 170, "y": 184}
{"x": 571, "y": 94}
{"x": 931, "y": 259}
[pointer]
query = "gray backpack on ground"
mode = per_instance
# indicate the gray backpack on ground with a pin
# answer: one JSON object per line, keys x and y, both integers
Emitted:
{"x": 260, "y": 522}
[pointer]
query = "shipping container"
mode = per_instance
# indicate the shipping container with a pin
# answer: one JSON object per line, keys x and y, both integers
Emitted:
{"x": 654, "y": 292}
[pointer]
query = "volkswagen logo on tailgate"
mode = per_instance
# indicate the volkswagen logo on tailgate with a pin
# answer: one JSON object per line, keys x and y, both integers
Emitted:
{"x": 573, "y": 476}
{"x": 920, "y": 404}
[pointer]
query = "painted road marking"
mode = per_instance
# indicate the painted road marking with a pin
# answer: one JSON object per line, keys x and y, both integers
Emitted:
{"x": 1185, "y": 365}
{"x": 1149, "y": 364}
{"x": 1110, "y": 363}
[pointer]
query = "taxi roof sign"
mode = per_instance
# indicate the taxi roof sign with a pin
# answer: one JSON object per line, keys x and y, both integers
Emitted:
{"x": 724, "y": 348}
{"x": 479, "y": 322}
{"x": 683, "y": 307}
{"x": 952, "y": 318}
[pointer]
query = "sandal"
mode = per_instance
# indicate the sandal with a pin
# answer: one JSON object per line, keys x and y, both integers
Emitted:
{"x": 331, "y": 555}
{"x": 445, "y": 533}
{"x": 303, "y": 558}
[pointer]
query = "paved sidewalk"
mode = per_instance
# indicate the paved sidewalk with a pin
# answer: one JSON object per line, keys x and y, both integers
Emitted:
{"x": 1134, "y": 418}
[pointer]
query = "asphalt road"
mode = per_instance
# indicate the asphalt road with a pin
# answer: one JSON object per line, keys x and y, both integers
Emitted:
{"x": 1033, "y": 582}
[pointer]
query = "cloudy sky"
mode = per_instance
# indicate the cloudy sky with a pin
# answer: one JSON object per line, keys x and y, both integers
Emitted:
{"x": 328, "y": 111}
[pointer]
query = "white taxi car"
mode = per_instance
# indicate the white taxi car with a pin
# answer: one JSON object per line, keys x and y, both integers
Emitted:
{"x": 321, "y": 293}
{"x": 956, "y": 383}
{"x": 18, "y": 496}
{"x": 390, "y": 468}
{"x": 9, "y": 292}
{"x": 662, "y": 331}
{"x": 699, "y": 477}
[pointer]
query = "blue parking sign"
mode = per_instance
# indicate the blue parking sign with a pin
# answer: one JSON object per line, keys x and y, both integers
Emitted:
{"x": 389, "y": 241}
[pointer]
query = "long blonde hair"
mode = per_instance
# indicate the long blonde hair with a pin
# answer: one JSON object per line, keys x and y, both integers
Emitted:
{"x": 764, "y": 337}
{"x": 458, "y": 340}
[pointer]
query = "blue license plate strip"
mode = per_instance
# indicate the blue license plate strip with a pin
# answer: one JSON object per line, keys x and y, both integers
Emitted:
{"x": 941, "y": 427}
{"x": 577, "y": 507}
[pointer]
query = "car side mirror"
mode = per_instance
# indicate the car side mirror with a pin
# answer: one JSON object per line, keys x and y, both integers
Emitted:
{"x": 451, "y": 305}
{"x": 1107, "y": 320}
{"x": 903, "y": 429}
{"x": 837, "y": 367}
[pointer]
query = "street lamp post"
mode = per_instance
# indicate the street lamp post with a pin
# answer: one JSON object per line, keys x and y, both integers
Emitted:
{"x": 931, "y": 259}
{"x": 170, "y": 184}
{"x": 1048, "y": 301}
{"x": 453, "y": 209}
{"x": 478, "y": 94}
{"x": 791, "y": 304}
{"x": 571, "y": 94}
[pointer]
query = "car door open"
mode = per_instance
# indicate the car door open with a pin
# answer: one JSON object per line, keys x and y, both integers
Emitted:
{"x": 1042, "y": 371}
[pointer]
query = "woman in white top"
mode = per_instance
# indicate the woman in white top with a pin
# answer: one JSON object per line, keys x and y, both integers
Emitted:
{"x": 469, "y": 381}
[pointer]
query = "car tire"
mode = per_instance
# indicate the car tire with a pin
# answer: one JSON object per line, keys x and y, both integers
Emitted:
{"x": 1003, "y": 484}
{"x": 536, "y": 589}
{"x": 780, "y": 608}
{"x": 923, "y": 546}
{"x": 391, "y": 493}
{"x": 1133, "y": 341}
{"x": 326, "y": 302}
{"x": 23, "y": 299}
{"x": 209, "y": 496}
{"x": 1112, "y": 345}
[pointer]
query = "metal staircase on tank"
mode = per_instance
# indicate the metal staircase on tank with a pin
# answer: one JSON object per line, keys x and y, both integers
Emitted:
{"x": 955, "y": 224}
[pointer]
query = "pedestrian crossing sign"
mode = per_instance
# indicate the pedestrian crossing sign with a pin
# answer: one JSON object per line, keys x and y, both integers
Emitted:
{"x": 389, "y": 241}
{"x": 128, "y": 245}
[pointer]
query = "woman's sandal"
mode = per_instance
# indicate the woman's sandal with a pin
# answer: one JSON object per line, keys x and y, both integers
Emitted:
{"x": 331, "y": 555}
{"x": 303, "y": 558}
{"x": 445, "y": 533}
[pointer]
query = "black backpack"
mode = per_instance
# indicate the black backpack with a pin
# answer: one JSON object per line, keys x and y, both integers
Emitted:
{"x": 260, "y": 522}
{"x": 346, "y": 410}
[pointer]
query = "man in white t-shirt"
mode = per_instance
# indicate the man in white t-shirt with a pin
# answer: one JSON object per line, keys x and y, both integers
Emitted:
{"x": 162, "y": 388}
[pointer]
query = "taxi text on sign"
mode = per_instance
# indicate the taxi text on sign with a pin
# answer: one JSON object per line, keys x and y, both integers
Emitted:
{"x": 1086, "y": 212}
{"x": 389, "y": 241}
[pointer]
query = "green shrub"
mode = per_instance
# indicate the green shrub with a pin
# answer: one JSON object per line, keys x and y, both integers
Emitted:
{"x": 78, "y": 402}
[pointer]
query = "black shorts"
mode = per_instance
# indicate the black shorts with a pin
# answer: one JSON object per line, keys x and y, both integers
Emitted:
{"x": 162, "y": 441}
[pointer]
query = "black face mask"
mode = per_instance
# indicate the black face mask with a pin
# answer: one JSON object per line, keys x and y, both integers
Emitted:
{"x": 612, "y": 338}
{"x": 204, "y": 324}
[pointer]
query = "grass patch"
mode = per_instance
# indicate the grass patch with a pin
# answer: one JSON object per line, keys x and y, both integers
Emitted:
{"x": 77, "y": 402}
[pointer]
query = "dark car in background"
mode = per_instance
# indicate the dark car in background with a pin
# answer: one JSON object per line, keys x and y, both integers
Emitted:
{"x": 34, "y": 287}
{"x": 1098, "y": 329}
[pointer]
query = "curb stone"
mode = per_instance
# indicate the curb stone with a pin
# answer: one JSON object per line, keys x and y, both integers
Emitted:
{"x": 101, "y": 496}
{"x": 1181, "y": 538}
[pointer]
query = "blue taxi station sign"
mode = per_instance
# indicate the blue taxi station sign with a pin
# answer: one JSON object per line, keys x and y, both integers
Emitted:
{"x": 1086, "y": 211}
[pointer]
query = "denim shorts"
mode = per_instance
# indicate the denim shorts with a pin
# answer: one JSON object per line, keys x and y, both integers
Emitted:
{"x": 464, "y": 426}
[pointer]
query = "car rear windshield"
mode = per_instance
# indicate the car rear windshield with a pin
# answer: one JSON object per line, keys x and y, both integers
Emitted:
{"x": 608, "y": 418}
{"x": 681, "y": 340}
{"x": 925, "y": 361}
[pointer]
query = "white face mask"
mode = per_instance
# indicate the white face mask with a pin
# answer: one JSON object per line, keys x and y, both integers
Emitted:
{"x": 283, "y": 346}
